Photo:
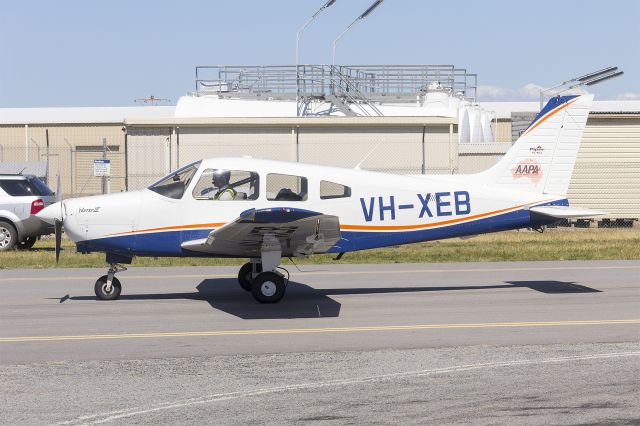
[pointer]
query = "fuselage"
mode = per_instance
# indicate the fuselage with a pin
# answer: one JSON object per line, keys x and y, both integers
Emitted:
{"x": 374, "y": 209}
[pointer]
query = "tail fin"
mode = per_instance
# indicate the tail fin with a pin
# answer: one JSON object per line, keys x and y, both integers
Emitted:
{"x": 542, "y": 159}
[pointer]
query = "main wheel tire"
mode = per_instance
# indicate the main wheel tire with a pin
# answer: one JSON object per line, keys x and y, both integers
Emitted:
{"x": 268, "y": 287}
{"x": 27, "y": 243}
{"x": 101, "y": 292}
{"x": 245, "y": 275}
{"x": 8, "y": 236}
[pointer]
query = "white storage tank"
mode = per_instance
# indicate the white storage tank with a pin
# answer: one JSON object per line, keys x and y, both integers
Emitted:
{"x": 485, "y": 120}
{"x": 475, "y": 124}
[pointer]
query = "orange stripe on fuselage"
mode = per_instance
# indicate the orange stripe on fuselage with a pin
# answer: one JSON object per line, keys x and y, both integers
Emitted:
{"x": 173, "y": 228}
{"x": 424, "y": 225}
{"x": 549, "y": 114}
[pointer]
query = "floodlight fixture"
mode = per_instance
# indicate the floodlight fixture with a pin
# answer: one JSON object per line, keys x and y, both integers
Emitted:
{"x": 371, "y": 8}
{"x": 595, "y": 74}
{"x": 602, "y": 78}
{"x": 589, "y": 79}
{"x": 364, "y": 14}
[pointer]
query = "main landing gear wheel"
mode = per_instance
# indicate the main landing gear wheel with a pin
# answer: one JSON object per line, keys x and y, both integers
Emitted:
{"x": 245, "y": 275}
{"x": 105, "y": 293}
{"x": 268, "y": 287}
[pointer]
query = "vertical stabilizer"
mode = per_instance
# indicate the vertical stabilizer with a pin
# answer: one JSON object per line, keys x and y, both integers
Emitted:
{"x": 542, "y": 159}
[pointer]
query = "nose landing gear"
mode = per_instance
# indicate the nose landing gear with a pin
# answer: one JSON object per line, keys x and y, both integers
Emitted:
{"x": 108, "y": 287}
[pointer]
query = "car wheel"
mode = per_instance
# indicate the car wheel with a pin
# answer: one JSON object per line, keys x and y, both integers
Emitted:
{"x": 27, "y": 243}
{"x": 8, "y": 236}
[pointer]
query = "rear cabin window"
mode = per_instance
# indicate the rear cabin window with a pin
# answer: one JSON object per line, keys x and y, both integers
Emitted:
{"x": 227, "y": 185}
{"x": 330, "y": 190}
{"x": 286, "y": 187}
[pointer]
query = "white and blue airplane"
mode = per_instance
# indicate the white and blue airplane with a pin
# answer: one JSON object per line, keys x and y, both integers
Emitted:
{"x": 265, "y": 210}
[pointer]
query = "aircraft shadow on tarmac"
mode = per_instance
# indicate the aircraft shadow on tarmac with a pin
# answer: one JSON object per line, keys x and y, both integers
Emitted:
{"x": 303, "y": 301}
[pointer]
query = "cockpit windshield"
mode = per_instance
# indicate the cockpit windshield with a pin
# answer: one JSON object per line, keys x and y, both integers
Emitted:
{"x": 174, "y": 184}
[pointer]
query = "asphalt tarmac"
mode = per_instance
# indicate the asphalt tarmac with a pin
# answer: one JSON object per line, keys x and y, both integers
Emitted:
{"x": 482, "y": 343}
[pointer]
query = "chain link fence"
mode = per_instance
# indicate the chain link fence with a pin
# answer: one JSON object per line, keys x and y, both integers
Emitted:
{"x": 606, "y": 175}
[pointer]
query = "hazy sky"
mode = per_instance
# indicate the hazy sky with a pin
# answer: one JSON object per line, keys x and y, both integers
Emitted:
{"x": 107, "y": 53}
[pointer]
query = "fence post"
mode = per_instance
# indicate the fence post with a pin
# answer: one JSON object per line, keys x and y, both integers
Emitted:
{"x": 105, "y": 179}
{"x": 126, "y": 159}
{"x": 26, "y": 143}
{"x": 177, "y": 147}
{"x": 424, "y": 151}
{"x": 46, "y": 173}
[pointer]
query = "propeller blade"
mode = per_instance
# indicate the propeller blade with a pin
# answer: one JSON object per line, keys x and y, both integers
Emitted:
{"x": 58, "y": 189}
{"x": 58, "y": 231}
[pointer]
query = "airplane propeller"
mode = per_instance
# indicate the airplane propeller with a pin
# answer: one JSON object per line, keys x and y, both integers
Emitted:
{"x": 55, "y": 215}
{"x": 58, "y": 232}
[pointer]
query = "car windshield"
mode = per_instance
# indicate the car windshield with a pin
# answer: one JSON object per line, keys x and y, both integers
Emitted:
{"x": 30, "y": 186}
{"x": 174, "y": 184}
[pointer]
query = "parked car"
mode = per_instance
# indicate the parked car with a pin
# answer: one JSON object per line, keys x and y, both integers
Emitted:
{"x": 21, "y": 197}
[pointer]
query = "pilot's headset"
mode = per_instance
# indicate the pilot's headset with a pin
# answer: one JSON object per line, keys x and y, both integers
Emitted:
{"x": 221, "y": 178}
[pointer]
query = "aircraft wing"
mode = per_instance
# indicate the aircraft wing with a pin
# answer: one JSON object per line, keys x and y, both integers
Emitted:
{"x": 298, "y": 231}
{"x": 565, "y": 212}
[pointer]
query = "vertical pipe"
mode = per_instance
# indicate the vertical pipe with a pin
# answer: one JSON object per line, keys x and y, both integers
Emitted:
{"x": 46, "y": 173}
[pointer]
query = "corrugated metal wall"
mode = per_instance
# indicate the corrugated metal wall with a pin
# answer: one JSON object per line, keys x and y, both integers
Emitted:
{"x": 607, "y": 171}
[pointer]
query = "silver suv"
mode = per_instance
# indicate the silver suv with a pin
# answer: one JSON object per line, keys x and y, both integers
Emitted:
{"x": 21, "y": 197}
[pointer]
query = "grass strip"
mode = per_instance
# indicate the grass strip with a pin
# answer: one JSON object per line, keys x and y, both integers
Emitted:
{"x": 554, "y": 244}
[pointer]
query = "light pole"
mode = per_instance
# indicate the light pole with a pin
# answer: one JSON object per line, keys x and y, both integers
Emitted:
{"x": 364, "y": 15}
{"x": 306, "y": 24}
{"x": 298, "y": 34}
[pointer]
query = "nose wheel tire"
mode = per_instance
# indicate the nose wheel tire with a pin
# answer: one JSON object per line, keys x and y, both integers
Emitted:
{"x": 101, "y": 288}
{"x": 8, "y": 236}
{"x": 268, "y": 287}
{"x": 244, "y": 276}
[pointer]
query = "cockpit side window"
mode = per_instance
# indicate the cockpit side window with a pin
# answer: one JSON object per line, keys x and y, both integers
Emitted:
{"x": 286, "y": 187}
{"x": 329, "y": 190}
{"x": 174, "y": 184}
{"x": 227, "y": 185}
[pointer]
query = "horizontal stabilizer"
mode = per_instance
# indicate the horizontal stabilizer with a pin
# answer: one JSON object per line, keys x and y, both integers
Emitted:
{"x": 566, "y": 212}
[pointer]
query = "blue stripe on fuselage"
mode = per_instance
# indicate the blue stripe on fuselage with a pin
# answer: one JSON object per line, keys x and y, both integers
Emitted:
{"x": 168, "y": 243}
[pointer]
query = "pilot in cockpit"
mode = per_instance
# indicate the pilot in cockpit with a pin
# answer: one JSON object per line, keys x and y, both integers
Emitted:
{"x": 220, "y": 180}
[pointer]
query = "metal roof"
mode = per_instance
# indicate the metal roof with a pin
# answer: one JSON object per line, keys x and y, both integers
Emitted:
{"x": 94, "y": 115}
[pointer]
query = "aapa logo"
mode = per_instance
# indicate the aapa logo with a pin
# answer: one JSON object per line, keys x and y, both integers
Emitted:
{"x": 529, "y": 169}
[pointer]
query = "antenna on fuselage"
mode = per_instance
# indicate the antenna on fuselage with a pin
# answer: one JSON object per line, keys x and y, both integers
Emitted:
{"x": 357, "y": 167}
